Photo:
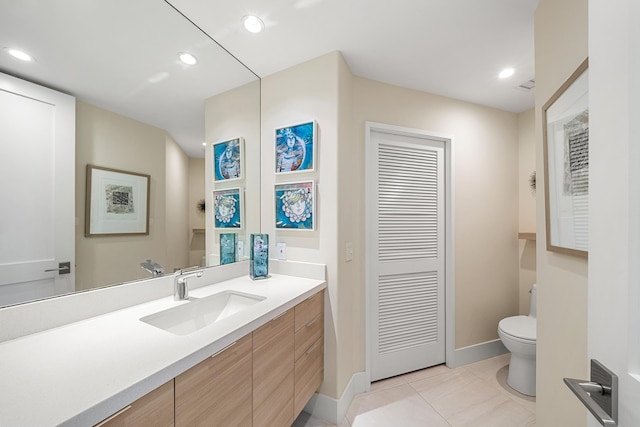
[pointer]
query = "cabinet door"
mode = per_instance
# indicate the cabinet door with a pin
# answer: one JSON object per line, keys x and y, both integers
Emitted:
{"x": 152, "y": 410}
{"x": 273, "y": 372}
{"x": 217, "y": 392}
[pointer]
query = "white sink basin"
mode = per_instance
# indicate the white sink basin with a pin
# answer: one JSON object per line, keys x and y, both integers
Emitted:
{"x": 200, "y": 312}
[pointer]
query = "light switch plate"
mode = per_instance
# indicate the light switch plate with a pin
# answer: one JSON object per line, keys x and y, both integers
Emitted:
{"x": 349, "y": 252}
{"x": 240, "y": 249}
{"x": 281, "y": 251}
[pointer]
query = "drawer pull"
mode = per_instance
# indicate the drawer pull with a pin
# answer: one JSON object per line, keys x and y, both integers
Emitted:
{"x": 279, "y": 315}
{"x": 227, "y": 347}
{"x": 310, "y": 349}
{"x": 311, "y": 322}
{"x": 117, "y": 414}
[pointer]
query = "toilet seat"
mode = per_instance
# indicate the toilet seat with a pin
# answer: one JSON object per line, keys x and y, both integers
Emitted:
{"x": 519, "y": 328}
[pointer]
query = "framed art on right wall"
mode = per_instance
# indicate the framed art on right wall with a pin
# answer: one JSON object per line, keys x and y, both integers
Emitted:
{"x": 296, "y": 148}
{"x": 295, "y": 206}
{"x": 565, "y": 119}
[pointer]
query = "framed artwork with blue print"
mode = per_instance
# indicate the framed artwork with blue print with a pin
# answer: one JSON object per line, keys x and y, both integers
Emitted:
{"x": 227, "y": 208}
{"x": 296, "y": 148}
{"x": 227, "y": 160}
{"x": 295, "y": 206}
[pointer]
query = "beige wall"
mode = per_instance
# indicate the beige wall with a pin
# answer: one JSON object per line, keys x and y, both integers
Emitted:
{"x": 177, "y": 205}
{"x": 196, "y": 218}
{"x": 109, "y": 140}
{"x": 485, "y": 150}
{"x": 561, "y": 41}
{"x": 527, "y": 206}
{"x": 309, "y": 91}
{"x": 486, "y": 197}
{"x": 233, "y": 114}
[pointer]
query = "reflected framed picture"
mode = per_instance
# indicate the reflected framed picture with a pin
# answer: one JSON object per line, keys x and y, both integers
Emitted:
{"x": 296, "y": 148}
{"x": 227, "y": 208}
{"x": 295, "y": 206}
{"x": 228, "y": 160}
{"x": 565, "y": 119}
{"x": 117, "y": 202}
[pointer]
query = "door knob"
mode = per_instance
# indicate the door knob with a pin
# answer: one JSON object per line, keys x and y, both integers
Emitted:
{"x": 600, "y": 395}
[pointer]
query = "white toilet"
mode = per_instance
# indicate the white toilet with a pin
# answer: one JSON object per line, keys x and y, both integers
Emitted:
{"x": 518, "y": 334}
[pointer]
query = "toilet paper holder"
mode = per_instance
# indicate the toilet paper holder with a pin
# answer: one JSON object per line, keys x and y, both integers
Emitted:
{"x": 600, "y": 395}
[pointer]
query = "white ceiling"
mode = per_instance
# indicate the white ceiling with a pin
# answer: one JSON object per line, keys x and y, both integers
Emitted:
{"x": 453, "y": 48}
{"x": 118, "y": 54}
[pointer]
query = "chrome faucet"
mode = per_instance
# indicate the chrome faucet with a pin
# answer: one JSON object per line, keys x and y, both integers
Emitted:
{"x": 152, "y": 267}
{"x": 181, "y": 290}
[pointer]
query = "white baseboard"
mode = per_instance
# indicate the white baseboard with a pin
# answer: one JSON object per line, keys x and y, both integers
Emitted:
{"x": 334, "y": 410}
{"x": 477, "y": 352}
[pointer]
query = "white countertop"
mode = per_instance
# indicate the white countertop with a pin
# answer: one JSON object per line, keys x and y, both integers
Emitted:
{"x": 80, "y": 373}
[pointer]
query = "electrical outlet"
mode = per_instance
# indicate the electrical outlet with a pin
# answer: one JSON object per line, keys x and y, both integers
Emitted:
{"x": 281, "y": 251}
{"x": 240, "y": 249}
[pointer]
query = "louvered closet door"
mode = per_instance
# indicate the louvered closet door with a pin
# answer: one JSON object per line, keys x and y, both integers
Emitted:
{"x": 408, "y": 288}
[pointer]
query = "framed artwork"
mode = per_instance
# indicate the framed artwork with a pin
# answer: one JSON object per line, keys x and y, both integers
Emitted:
{"x": 296, "y": 148}
{"x": 565, "y": 118}
{"x": 117, "y": 202}
{"x": 228, "y": 160}
{"x": 295, "y": 206}
{"x": 227, "y": 208}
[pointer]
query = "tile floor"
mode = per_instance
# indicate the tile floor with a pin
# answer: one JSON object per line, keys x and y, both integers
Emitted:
{"x": 473, "y": 395}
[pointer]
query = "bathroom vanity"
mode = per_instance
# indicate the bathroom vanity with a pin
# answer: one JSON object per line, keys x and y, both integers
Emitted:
{"x": 257, "y": 366}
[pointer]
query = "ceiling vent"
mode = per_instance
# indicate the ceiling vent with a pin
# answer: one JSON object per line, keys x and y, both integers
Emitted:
{"x": 528, "y": 85}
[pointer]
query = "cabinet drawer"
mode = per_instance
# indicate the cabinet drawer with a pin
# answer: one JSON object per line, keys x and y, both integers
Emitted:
{"x": 309, "y": 373}
{"x": 152, "y": 410}
{"x": 307, "y": 335}
{"x": 267, "y": 333}
{"x": 217, "y": 391}
{"x": 308, "y": 309}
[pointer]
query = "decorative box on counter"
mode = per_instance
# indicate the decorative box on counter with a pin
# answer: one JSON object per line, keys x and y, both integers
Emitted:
{"x": 259, "y": 256}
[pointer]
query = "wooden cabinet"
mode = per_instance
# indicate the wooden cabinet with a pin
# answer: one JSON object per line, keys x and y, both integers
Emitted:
{"x": 309, "y": 349}
{"x": 264, "y": 379}
{"x": 273, "y": 363}
{"x": 152, "y": 410}
{"x": 217, "y": 391}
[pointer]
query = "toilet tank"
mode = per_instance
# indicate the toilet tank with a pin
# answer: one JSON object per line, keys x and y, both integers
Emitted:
{"x": 532, "y": 301}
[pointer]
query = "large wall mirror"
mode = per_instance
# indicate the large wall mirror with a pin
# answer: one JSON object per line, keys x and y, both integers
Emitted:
{"x": 138, "y": 109}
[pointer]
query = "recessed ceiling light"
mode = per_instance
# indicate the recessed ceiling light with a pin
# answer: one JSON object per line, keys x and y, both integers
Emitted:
{"x": 507, "y": 72}
{"x": 204, "y": 144}
{"x": 187, "y": 58}
{"x": 23, "y": 56}
{"x": 252, "y": 23}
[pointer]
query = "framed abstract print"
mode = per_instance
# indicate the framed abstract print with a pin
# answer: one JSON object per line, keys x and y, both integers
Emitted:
{"x": 566, "y": 165}
{"x": 227, "y": 208}
{"x": 296, "y": 148}
{"x": 117, "y": 202}
{"x": 295, "y": 206}
{"x": 228, "y": 160}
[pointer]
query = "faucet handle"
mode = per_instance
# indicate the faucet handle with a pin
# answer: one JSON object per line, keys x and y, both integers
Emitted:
{"x": 184, "y": 270}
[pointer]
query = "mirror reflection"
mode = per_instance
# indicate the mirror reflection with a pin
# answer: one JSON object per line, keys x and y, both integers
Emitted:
{"x": 138, "y": 109}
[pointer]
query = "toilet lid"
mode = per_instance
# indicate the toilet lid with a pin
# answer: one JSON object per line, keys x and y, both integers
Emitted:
{"x": 523, "y": 327}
